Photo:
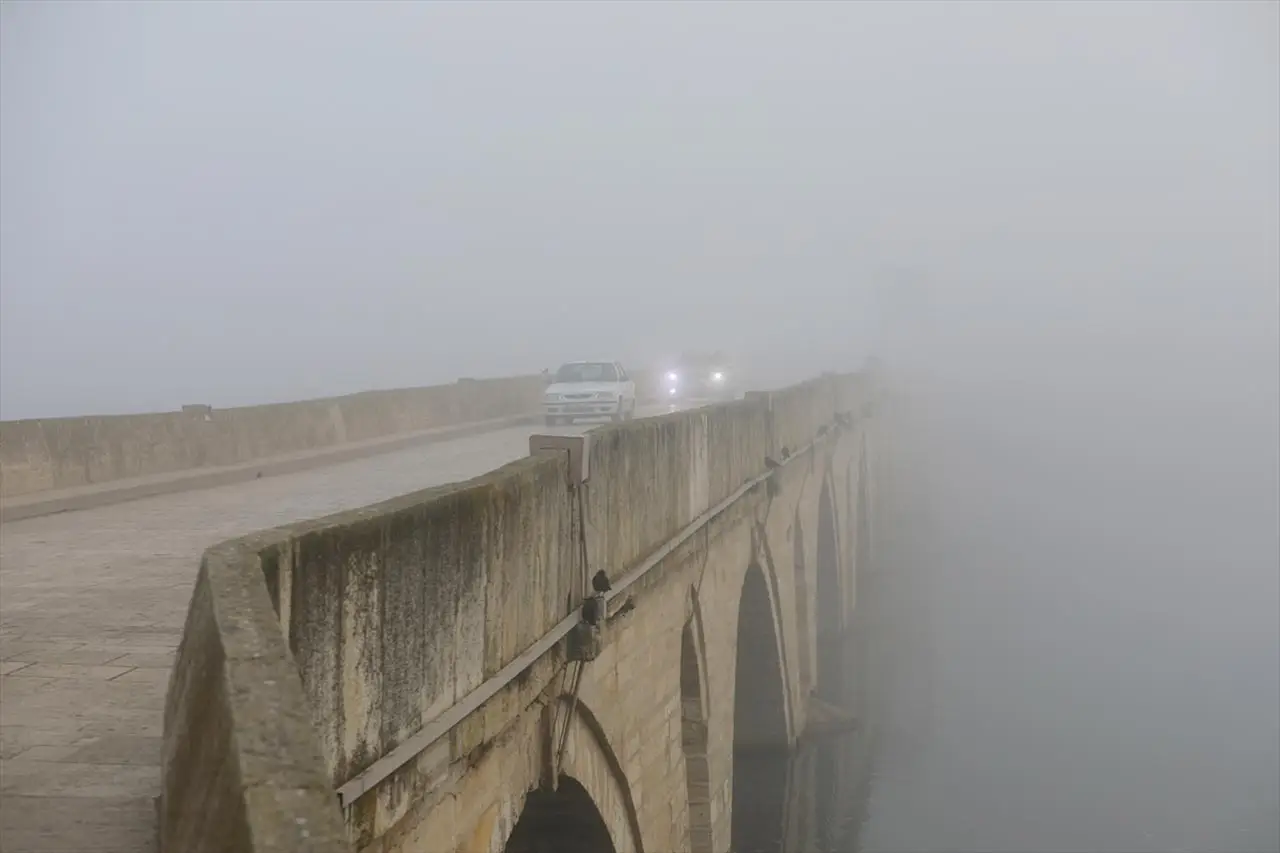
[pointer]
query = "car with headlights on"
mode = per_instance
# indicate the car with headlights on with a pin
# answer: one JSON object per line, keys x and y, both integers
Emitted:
{"x": 589, "y": 389}
{"x": 700, "y": 376}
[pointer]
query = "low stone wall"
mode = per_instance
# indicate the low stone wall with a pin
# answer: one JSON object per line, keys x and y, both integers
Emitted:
{"x": 372, "y": 622}
{"x": 396, "y": 612}
{"x": 389, "y": 614}
{"x": 652, "y": 477}
{"x": 242, "y": 769}
{"x": 61, "y": 453}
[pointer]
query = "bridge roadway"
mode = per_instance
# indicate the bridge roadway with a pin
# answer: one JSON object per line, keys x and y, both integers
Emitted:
{"x": 92, "y": 605}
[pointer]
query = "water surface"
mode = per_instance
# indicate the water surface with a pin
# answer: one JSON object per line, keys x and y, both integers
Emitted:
{"x": 1079, "y": 595}
{"x": 1069, "y": 637}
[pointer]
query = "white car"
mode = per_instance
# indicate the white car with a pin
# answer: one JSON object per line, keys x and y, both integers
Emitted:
{"x": 589, "y": 389}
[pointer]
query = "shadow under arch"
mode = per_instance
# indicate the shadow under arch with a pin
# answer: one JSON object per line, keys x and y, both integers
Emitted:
{"x": 693, "y": 728}
{"x": 761, "y": 729}
{"x": 565, "y": 820}
{"x": 830, "y": 634}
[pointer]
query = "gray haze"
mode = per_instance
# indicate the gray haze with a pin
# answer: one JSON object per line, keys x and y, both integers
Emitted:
{"x": 1077, "y": 611}
{"x": 231, "y": 202}
{"x": 1059, "y": 223}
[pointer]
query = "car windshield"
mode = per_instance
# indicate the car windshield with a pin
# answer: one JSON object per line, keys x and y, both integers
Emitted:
{"x": 587, "y": 371}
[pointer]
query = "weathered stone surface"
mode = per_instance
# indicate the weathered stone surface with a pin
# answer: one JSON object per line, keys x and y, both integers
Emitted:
{"x": 241, "y": 767}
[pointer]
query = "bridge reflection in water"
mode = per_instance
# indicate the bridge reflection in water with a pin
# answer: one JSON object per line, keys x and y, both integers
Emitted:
{"x": 812, "y": 798}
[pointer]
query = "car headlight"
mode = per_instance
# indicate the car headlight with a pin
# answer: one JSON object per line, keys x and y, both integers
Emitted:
{"x": 551, "y": 398}
{"x": 672, "y": 376}
{"x": 717, "y": 377}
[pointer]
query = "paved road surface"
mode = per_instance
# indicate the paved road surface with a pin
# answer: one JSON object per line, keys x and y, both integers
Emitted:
{"x": 92, "y": 605}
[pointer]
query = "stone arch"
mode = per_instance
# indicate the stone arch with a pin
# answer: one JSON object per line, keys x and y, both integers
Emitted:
{"x": 699, "y": 639}
{"x": 761, "y": 717}
{"x": 830, "y": 602}
{"x": 851, "y": 521}
{"x": 804, "y": 626}
{"x": 565, "y": 819}
{"x": 592, "y": 763}
{"x": 768, "y": 568}
{"x": 862, "y": 523}
{"x": 694, "y": 740}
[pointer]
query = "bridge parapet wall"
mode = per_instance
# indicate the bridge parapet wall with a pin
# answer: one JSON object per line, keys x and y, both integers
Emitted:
{"x": 387, "y": 620}
{"x": 651, "y": 477}
{"x": 241, "y": 766}
{"x": 42, "y": 455}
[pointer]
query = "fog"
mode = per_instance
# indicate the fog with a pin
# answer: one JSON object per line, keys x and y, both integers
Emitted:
{"x": 1076, "y": 609}
{"x": 1058, "y": 224}
{"x": 231, "y": 202}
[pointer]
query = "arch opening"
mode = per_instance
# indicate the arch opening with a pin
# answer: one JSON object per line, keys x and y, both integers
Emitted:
{"x": 830, "y": 640}
{"x": 565, "y": 820}
{"x": 760, "y": 736}
{"x": 693, "y": 724}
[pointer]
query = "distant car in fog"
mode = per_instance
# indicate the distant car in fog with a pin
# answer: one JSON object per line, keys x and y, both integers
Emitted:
{"x": 589, "y": 389}
{"x": 700, "y": 376}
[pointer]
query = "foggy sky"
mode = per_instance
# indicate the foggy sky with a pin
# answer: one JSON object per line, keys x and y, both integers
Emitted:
{"x": 228, "y": 202}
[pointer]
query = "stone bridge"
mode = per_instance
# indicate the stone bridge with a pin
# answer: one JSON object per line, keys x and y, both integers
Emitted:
{"x": 422, "y": 674}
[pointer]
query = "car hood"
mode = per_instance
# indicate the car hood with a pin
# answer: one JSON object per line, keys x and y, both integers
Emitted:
{"x": 584, "y": 388}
